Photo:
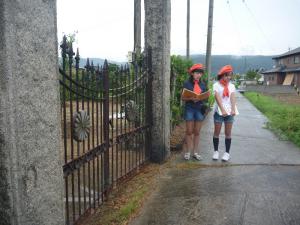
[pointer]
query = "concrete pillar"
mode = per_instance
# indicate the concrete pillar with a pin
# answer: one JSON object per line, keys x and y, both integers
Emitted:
{"x": 157, "y": 35}
{"x": 31, "y": 178}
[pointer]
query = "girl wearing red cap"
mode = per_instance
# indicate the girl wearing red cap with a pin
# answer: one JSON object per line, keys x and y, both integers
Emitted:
{"x": 192, "y": 111}
{"x": 224, "y": 110}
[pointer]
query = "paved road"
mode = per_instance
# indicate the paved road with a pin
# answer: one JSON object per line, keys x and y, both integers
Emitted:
{"x": 260, "y": 184}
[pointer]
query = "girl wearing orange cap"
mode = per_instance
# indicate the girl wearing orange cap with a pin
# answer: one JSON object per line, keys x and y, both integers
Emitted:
{"x": 192, "y": 111}
{"x": 224, "y": 110}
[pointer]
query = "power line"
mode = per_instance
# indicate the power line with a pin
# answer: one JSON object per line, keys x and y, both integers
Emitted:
{"x": 234, "y": 22}
{"x": 258, "y": 25}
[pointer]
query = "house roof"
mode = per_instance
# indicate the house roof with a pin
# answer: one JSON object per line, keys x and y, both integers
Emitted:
{"x": 282, "y": 70}
{"x": 292, "y": 70}
{"x": 273, "y": 70}
{"x": 292, "y": 52}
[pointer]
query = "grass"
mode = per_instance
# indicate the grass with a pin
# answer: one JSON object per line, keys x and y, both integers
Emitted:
{"x": 126, "y": 200}
{"x": 284, "y": 119}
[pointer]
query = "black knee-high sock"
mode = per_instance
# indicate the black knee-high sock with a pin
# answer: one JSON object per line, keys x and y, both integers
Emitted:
{"x": 227, "y": 144}
{"x": 216, "y": 143}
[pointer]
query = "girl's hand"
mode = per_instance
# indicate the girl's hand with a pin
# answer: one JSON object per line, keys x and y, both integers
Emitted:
{"x": 195, "y": 99}
{"x": 233, "y": 111}
{"x": 224, "y": 113}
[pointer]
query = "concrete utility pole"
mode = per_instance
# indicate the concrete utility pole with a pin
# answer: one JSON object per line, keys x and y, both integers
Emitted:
{"x": 157, "y": 36}
{"x": 137, "y": 26}
{"x": 188, "y": 30}
{"x": 209, "y": 38}
{"x": 31, "y": 175}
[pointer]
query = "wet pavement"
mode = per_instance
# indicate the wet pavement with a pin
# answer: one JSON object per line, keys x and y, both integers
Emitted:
{"x": 260, "y": 184}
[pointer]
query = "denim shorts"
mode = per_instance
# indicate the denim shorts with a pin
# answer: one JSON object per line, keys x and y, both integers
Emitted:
{"x": 192, "y": 114}
{"x": 220, "y": 119}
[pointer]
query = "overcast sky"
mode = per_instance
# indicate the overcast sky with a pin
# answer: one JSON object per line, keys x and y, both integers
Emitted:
{"x": 241, "y": 27}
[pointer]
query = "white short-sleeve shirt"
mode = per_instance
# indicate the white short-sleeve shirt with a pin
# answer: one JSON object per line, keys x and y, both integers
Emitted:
{"x": 218, "y": 88}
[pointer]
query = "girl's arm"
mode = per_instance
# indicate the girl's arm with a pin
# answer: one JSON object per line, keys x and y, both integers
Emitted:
{"x": 219, "y": 102}
{"x": 233, "y": 103}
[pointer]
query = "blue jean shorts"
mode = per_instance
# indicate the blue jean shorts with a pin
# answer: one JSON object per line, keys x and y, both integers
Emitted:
{"x": 192, "y": 114}
{"x": 220, "y": 119}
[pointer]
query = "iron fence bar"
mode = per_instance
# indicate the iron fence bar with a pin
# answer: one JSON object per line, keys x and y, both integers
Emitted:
{"x": 97, "y": 137}
{"x": 111, "y": 162}
{"x": 137, "y": 116}
{"x": 102, "y": 132}
{"x": 130, "y": 124}
{"x": 106, "y": 125}
{"x": 83, "y": 142}
{"x": 89, "y": 134}
{"x": 64, "y": 49}
{"x": 77, "y": 59}
{"x": 117, "y": 126}
{"x": 121, "y": 126}
{"x": 70, "y": 54}
{"x": 93, "y": 79}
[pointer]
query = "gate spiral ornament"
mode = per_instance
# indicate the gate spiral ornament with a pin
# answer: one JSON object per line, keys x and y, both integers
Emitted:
{"x": 81, "y": 125}
{"x": 131, "y": 111}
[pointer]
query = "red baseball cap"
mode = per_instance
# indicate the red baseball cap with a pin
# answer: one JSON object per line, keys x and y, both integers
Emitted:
{"x": 198, "y": 66}
{"x": 225, "y": 69}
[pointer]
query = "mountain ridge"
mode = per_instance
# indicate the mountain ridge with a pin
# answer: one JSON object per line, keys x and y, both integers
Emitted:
{"x": 240, "y": 64}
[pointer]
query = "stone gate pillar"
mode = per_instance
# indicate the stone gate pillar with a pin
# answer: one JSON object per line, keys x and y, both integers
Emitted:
{"x": 157, "y": 35}
{"x": 31, "y": 178}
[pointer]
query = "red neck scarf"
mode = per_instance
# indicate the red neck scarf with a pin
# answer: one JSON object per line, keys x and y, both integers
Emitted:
{"x": 225, "y": 85}
{"x": 197, "y": 88}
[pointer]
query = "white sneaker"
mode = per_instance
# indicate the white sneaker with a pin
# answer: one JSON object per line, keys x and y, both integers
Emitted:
{"x": 226, "y": 157}
{"x": 197, "y": 156}
{"x": 187, "y": 156}
{"x": 216, "y": 155}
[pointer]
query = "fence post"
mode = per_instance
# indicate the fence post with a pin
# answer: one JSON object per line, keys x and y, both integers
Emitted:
{"x": 31, "y": 176}
{"x": 157, "y": 35}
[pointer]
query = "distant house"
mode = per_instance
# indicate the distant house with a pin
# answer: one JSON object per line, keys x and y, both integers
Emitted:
{"x": 286, "y": 70}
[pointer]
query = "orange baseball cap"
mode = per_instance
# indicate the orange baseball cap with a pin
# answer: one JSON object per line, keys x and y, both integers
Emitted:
{"x": 198, "y": 66}
{"x": 225, "y": 69}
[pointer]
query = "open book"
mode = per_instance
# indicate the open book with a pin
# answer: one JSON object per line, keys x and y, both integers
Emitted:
{"x": 186, "y": 93}
{"x": 227, "y": 108}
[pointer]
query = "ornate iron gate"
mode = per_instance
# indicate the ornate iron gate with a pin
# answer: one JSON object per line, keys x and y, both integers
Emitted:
{"x": 106, "y": 119}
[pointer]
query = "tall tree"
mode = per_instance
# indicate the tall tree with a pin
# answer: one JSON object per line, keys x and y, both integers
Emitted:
{"x": 188, "y": 30}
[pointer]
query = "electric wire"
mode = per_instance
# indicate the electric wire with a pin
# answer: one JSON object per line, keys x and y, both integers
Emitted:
{"x": 258, "y": 25}
{"x": 234, "y": 22}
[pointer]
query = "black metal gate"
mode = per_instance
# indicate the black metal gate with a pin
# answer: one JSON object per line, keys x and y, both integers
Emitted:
{"x": 106, "y": 119}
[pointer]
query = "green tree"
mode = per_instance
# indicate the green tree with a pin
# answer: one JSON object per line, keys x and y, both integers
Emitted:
{"x": 252, "y": 75}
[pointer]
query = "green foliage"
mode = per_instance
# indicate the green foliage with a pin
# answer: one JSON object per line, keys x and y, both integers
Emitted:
{"x": 180, "y": 66}
{"x": 284, "y": 119}
{"x": 253, "y": 75}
